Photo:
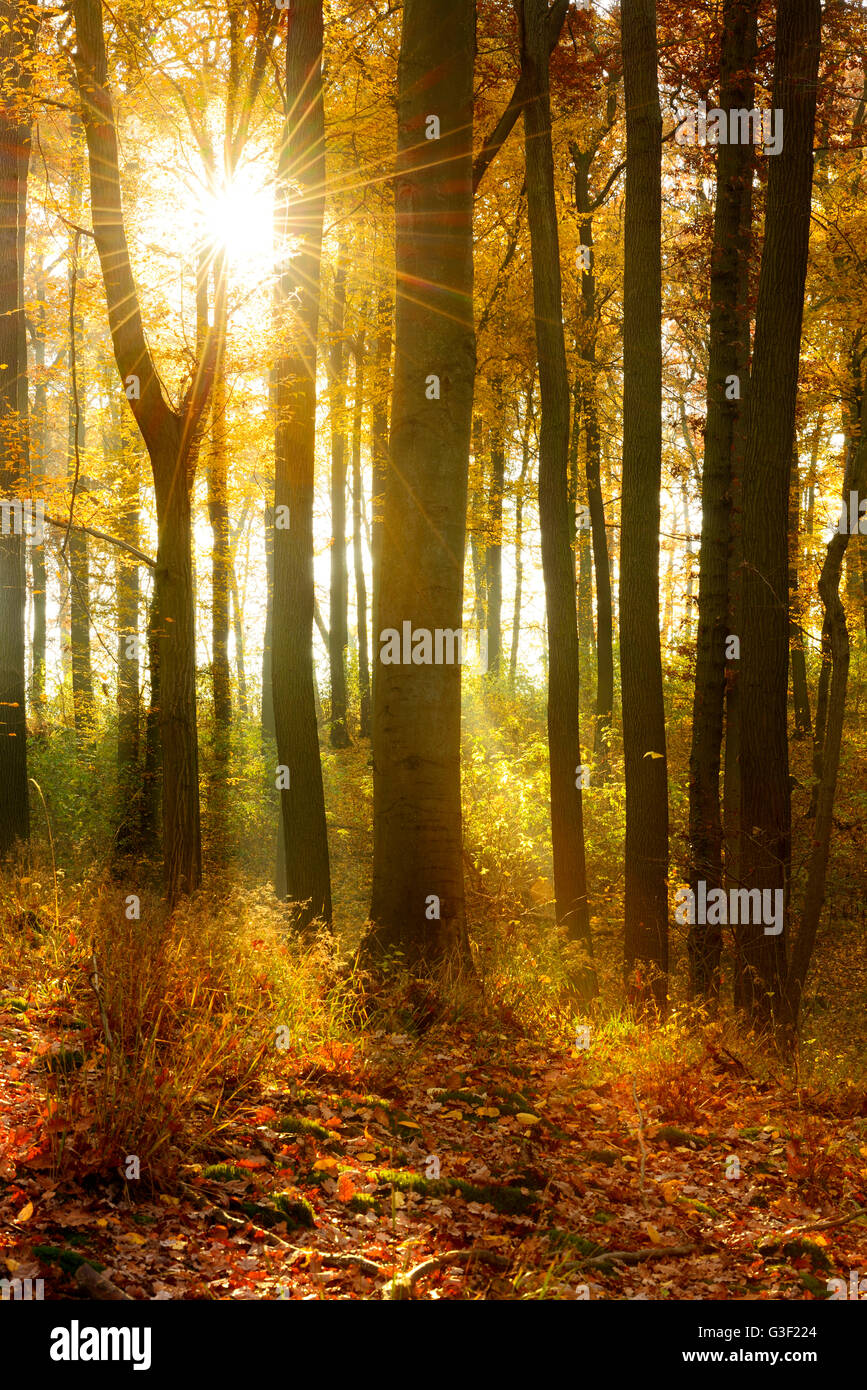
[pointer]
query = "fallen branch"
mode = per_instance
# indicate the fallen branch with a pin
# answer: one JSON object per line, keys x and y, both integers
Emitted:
{"x": 822, "y": 1225}
{"x": 640, "y": 1139}
{"x": 634, "y": 1257}
{"x": 98, "y": 1286}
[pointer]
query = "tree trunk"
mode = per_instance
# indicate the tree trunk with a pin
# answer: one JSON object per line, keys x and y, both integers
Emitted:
{"x": 301, "y": 205}
{"x": 338, "y": 628}
{"x": 558, "y": 562}
{"x": 728, "y": 358}
{"x": 646, "y": 944}
{"x": 519, "y": 534}
{"x": 17, "y": 41}
{"x": 268, "y": 726}
{"x": 357, "y": 551}
{"x": 765, "y": 793}
{"x": 238, "y": 629}
{"x": 379, "y": 392}
{"x": 38, "y": 460}
{"x": 835, "y": 640}
{"x": 418, "y": 903}
{"x": 800, "y": 689}
{"x": 77, "y": 542}
{"x": 494, "y": 552}
{"x": 171, "y": 437}
{"x": 128, "y": 520}
{"x": 218, "y": 514}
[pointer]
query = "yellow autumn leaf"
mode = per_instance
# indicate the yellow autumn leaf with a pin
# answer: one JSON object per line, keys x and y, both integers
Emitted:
{"x": 654, "y": 755}
{"x": 655, "y": 1236}
{"x": 366, "y": 1158}
{"x": 409, "y": 1124}
{"x": 325, "y": 1165}
{"x": 670, "y": 1190}
{"x": 135, "y": 1239}
{"x": 25, "y": 1213}
{"x": 524, "y": 1118}
{"x": 453, "y": 1115}
{"x": 488, "y": 1112}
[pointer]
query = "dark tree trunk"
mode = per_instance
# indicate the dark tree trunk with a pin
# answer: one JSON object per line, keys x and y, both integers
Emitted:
{"x": 379, "y": 392}
{"x": 301, "y": 205}
{"x": 558, "y": 566}
{"x": 38, "y": 460}
{"x": 17, "y": 42}
{"x": 418, "y": 891}
{"x": 77, "y": 542}
{"x": 765, "y": 793}
{"x": 338, "y": 627}
{"x": 646, "y": 944}
{"x": 357, "y": 550}
{"x": 728, "y": 358}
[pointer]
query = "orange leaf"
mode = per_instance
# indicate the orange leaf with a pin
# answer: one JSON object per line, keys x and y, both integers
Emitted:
{"x": 345, "y": 1188}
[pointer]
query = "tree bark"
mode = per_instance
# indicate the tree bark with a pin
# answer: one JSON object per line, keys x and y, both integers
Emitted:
{"x": 558, "y": 562}
{"x": 494, "y": 551}
{"x": 519, "y": 534}
{"x": 218, "y": 514}
{"x": 800, "y": 689}
{"x": 338, "y": 626}
{"x": 728, "y": 360}
{"x": 301, "y": 206}
{"x": 765, "y": 791}
{"x": 357, "y": 548}
{"x": 646, "y": 942}
{"x": 17, "y": 44}
{"x": 418, "y": 905}
{"x": 38, "y": 460}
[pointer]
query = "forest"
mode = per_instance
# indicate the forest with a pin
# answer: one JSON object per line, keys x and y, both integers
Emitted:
{"x": 433, "y": 652}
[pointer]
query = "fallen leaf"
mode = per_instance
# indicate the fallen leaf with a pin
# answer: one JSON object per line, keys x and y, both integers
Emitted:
{"x": 25, "y": 1213}
{"x": 524, "y": 1118}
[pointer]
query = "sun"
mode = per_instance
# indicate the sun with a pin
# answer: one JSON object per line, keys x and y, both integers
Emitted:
{"x": 239, "y": 220}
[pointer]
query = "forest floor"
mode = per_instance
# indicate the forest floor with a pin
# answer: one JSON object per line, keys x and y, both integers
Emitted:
{"x": 466, "y": 1163}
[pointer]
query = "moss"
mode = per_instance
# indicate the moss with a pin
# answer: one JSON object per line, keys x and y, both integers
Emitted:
{"x": 224, "y": 1172}
{"x": 363, "y": 1202}
{"x": 509, "y": 1201}
{"x": 606, "y": 1156}
{"x": 459, "y": 1097}
{"x": 296, "y": 1211}
{"x": 67, "y": 1259}
{"x": 294, "y": 1124}
{"x": 678, "y": 1138}
{"x": 17, "y": 1006}
{"x": 568, "y": 1240}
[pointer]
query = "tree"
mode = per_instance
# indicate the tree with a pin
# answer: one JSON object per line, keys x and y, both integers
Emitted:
{"x": 727, "y": 382}
{"x": 644, "y": 750}
{"x": 765, "y": 787}
{"x": 338, "y": 632}
{"x": 306, "y": 873}
{"x": 558, "y": 562}
{"x": 418, "y": 893}
{"x": 18, "y": 27}
{"x": 171, "y": 436}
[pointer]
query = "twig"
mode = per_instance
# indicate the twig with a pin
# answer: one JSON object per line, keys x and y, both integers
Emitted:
{"x": 93, "y": 981}
{"x": 823, "y": 1225}
{"x": 641, "y": 1142}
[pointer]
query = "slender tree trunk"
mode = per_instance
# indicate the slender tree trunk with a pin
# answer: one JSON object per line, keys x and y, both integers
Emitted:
{"x": 301, "y": 205}
{"x": 218, "y": 513}
{"x": 379, "y": 393}
{"x": 558, "y": 564}
{"x": 418, "y": 892}
{"x": 128, "y": 675}
{"x": 268, "y": 726}
{"x": 584, "y": 562}
{"x": 646, "y": 945}
{"x": 357, "y": 551}
{"x": 17, "y": 41}
{"x": 519, "y": 535}
{"x": 38, "y": 460}
{"x": 835, "y": 640}
{"x": 77, "y": 543}
{"x": 494, "y": 553}
{"x": 800, "y": 689}
{"x": 338, "y": 627}
{"x": 238, "y": 629}
{"x": 765, "y": 792}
